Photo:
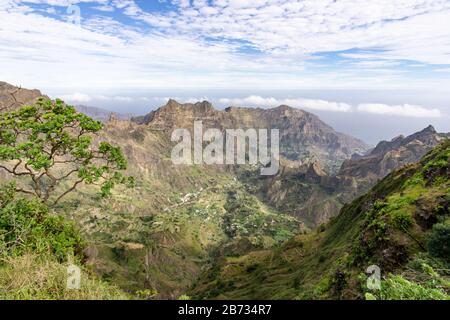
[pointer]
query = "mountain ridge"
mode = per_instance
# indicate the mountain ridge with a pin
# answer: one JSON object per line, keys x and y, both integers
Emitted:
{"x": 302, "y": 134}
{"x": 392, "y": 227}
{"x": 168, "y": 229}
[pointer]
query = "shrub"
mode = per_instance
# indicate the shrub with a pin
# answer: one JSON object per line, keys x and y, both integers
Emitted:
{"x": 251, "y": 268}
{"x": 27, "y": 226}
{"x": 33, "y": 277}
{"x": 398, "y": 288}
{"x": 438, "y": 241}
{"x": 402, "y": 219}
{"x": 147, "y": 294}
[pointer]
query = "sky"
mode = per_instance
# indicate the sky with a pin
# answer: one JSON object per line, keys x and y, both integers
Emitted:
{"x": 373, "y": 69}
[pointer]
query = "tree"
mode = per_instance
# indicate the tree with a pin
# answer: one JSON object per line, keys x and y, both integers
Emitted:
{"x": 438, "y": 241}
{"x": 53, "y": 146}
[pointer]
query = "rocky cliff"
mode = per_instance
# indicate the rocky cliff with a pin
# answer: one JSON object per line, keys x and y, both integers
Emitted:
{"x": 303, "y": 136}
{"x": 390, "y": 155}
{"x": 12, "y": 97}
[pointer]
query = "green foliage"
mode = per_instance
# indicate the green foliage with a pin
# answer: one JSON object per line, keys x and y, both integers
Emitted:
{"x": 245, "y": 217}
{"x": 402, "y": 220}
{"x": 376, "y": 223}
{"x": 36, "y": 248}
{"x": 395, "y": 287}
{"x": 51, "y": 144}
{"x": 438, "y": 241}
{"x": 27, "y": 226}
{"x": 440, "y": 160}
{"x": 40, "y": 277}
{"x": 322, "y": 287}
{"x": 370, "y": 296}
{"x": 147, "y": 294}
{"x": 416, "y": 180}
{"x": 386, "y": 227}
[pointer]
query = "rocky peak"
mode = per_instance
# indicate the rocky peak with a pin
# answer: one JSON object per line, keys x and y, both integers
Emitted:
{"x": 390, "y": 155}
{"x": 398, "y": 138}
{"x": 203, "y": 106}
{"x": 302, "y": 134}
{"x": 429, "y": 129}
{"x": 428, "y": 136}
{"x": 283, "y": 108}
{"x": 425, "y": 133}
{"x": 113, "y": 118}
{"x": 315, "y": 169}
{"x": 12, "y": 97}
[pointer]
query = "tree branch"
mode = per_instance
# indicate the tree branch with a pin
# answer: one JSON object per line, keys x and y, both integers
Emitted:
{"x": 25, "y": 191}
{"x": 67, "y": 191}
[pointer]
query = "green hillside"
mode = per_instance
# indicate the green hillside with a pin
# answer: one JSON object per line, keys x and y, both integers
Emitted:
{"x": 203, "y": 231}
{"x": 36, "y": 248}
{"x": 401, "y": 225}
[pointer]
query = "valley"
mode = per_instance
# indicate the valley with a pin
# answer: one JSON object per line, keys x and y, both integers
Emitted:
{"x": 222, "y": 231}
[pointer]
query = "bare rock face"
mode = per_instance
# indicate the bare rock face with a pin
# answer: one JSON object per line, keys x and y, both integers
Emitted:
{"x": 174, "y": 115}
{"x": 303, "y": 136}
{"x": 314, "y": 196}
{"x": 314, "y": 173}
{"x": 12, "y": 97}
{"x": 390, "y": 155}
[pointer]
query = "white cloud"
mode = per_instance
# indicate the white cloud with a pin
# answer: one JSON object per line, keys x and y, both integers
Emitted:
{"x": 260, "y": 44}
{"x": 405, "y": 110}
{"x": 313, "y": 104}
{"x": 85, "y": 98}
{"x": 122, "y": 99}
{"x": 76, "y": 98}
{"x": 104, "y": 8}
{"x": 413, "y": 30}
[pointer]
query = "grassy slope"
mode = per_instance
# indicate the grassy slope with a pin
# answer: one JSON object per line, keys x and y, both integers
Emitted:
{"x": 35, "y": 249}
{"x": 388, "y": 227}
{"x": 39, "y": 277}
{"x": 162, "y": 234}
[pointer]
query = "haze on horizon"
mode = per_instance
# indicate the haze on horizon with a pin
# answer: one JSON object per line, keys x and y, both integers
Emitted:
{"x": 372, "y": 70}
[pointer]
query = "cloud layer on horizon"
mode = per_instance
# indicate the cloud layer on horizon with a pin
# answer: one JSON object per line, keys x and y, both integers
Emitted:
{"x": 406, "y": 110}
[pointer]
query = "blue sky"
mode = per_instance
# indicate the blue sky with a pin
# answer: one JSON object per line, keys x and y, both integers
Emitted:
{"x": 385, "y": 62}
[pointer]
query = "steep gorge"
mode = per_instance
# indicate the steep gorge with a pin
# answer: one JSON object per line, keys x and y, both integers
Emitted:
{"x": 179, "y": 221}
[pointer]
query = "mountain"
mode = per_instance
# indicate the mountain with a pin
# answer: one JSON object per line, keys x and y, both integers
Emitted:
{"x": 400, "y": 227}
{"x": 12, "y": 97}
{"x": 303, "y": 136}
{"x": 181, "y": 220}
{"x": 100, "y": 114}
{"x": 389, "y": 155}
{"x": 314, "y": 196}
